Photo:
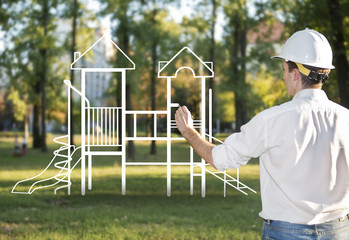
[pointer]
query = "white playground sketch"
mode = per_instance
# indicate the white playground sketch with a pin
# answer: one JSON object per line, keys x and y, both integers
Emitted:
{"x": 101, "y": 126}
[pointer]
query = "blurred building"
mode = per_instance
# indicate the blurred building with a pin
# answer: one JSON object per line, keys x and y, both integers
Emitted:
{"x": 265, "y": 35}
{"x": 98, "y": 83}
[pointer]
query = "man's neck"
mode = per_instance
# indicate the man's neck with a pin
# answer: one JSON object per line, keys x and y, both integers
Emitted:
{"x": 315, "y": 86}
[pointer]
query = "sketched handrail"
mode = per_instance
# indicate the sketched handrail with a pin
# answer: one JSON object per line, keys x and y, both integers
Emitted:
{"x": 68, "y": 83}
{"x": 59, "y": 142}
{"x": 214, "y": 138}
{"x": 230, "y": 179}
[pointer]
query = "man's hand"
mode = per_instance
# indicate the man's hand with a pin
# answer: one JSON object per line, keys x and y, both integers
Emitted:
{"x": 184, "y": 119}
{"x": 184, "y": 123}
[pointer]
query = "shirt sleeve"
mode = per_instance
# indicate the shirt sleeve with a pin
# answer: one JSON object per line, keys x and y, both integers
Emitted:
{"x": 240, "y": 147}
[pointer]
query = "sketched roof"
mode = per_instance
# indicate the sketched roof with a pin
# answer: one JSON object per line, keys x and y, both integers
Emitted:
{"x": 185, "y": 58}
{"x": 122, "y": 60}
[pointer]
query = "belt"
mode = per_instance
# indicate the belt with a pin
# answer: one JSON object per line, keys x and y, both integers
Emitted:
{"x": 345, "y": 218}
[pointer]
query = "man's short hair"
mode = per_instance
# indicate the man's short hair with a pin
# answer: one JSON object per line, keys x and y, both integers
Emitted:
{"x": 308, "y": 81}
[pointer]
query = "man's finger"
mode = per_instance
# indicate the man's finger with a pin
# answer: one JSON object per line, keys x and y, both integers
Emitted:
{"x": 179, "y": 116}
{"x": 179, "y": 112}
{"x": 185, "y": 110}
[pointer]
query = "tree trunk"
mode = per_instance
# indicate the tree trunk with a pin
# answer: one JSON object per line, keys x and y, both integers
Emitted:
{"x": 125, "y": 42}
{"x": 43, "y": 53}
{"x": 235, "y": 77}
{"x": 342, "y": 67}
{"x": 119, "y": 104}
{"x": 129, "y": 124}
{"x": 36, "y": 116}
{"x": 43, "y": 108}
{"x": 26, "y": 127}
{"x": 213, "y": 45}
{"x": 239, "y": 72}
{"x": 153, "y": 94}
{"x": 153, "y": 82}
{"x": 72, "y": 78}
{"x": 36, "y": 125}
{"x": 242, "y": 44}
{"x": 212, "y": 59}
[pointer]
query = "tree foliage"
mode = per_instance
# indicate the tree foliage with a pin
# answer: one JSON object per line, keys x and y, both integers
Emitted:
{"x": 329, "y": 17}
{"x": 34, "y": 58}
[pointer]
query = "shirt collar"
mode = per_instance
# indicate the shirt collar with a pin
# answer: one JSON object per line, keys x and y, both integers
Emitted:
{"x": 311, "y": 94}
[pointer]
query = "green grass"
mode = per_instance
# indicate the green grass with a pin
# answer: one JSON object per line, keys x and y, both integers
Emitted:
{"x": 145, "y": 212}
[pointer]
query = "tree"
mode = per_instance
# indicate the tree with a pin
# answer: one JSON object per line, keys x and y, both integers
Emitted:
{"x": 20, "y": 111}
{"x": 76, "y": 12}
{"x": 154, "y": 32}
{"x": 329, "y": 18}
{"x": 6, "y": 12}
{"x": 154, "y": 58}
{"x": 213, "y": 42}
{"x": 237, "y": 42}
{"x": 33, "y": 58}
{"x": 75, "y": 8}
{"x": 43, "y": 73}
{"x": 336, "y": 18}
{"x": 206, "y": 26}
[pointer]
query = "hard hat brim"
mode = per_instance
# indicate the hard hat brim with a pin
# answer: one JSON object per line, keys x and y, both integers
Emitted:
{"x": 280, "y": 57}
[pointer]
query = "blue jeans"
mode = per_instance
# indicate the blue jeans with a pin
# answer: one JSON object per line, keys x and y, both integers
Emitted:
{"x": 279, "y": 230}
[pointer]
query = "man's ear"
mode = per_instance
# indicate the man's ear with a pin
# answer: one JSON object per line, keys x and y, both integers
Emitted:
{"x": 297, "y": 74}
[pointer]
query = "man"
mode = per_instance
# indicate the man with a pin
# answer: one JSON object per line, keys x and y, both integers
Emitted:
{"x": 303, "y": 146}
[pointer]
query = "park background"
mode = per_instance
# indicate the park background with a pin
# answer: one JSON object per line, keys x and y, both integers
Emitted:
{"x": 37, "y": 44}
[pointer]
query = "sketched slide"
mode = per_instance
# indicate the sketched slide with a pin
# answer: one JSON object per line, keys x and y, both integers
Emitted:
{"x": 57, "y": 171}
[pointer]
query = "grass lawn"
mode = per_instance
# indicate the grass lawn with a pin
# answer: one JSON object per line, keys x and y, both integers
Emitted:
{"x": 145, "y": 212}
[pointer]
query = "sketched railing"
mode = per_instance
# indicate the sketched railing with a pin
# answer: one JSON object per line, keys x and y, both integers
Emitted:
{"x": 196, "y": 123}
{"x": 155, "y": 115}
{"x": 103, "y": 126}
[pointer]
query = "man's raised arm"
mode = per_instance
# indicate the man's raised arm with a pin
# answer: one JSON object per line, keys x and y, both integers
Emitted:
{"x": 201, "y": 146}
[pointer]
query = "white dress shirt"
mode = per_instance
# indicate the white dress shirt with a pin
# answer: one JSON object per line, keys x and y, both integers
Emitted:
{"x": 303, "y": 147}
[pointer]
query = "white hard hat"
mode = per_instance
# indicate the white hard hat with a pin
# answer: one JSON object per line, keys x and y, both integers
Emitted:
{"x": 308, "y": 47}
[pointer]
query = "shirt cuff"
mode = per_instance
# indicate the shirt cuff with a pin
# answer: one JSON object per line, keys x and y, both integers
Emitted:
{"x": 219, "y": 157}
